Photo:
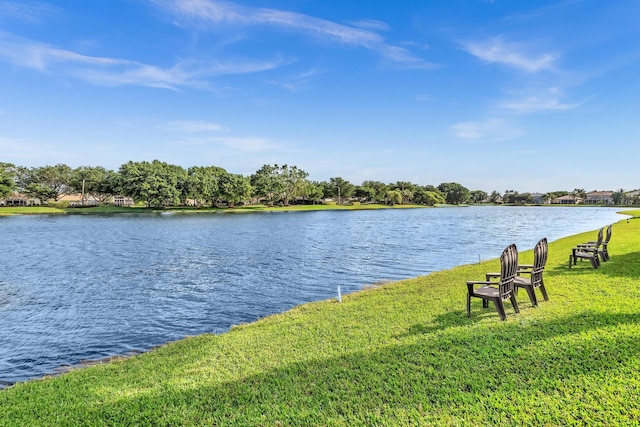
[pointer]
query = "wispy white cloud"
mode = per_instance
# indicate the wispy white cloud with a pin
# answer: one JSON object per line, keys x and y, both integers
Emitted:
{"x": 204, "y": 133}
{"x": 296, "y": 82}
{"x": 489, "y": 130}
{"x": 402, "y": 57}
{"x": 26, "y": 11}
{"x": 535, "y": 104}
{"x": 211, "y": 15}
{"x": 119, "y": 72}
{"x": 192, "y": 126}
{"x": 549, "y": 100}
{"x": 514, "y": 55}
{"x": 370, "y": 24}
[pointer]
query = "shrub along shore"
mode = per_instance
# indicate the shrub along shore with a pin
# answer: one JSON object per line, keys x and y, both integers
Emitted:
{"x": 401, "y": 354}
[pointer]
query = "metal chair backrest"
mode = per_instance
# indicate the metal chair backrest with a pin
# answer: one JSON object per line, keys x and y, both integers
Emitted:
{"x": 600, "y": 233}
{"x": 608, "y": 235}
{"x": 540, "y": 253}
{"x": 508, "y": 270}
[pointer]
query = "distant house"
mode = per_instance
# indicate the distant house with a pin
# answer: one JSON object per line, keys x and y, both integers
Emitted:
{"x": 567, "y": 200}
{"x": 122, "y": 201}
{"x": 599, "y": 198}
{"x": 75, "y": 200}
{"x": 632, "y": 197}
{"x": 19, "y": 199}
{"x": 538, "y": 198}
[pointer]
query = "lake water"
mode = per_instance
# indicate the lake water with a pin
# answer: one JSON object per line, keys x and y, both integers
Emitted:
{"x": 77, "y": 287}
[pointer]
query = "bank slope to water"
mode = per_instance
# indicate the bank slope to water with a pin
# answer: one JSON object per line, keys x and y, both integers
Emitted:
{"x": 401, "y": 354}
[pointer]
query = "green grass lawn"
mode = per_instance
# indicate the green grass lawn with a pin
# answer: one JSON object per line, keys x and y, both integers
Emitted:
{"x": 401, "y": 354}
{"x": 29, "y": 210}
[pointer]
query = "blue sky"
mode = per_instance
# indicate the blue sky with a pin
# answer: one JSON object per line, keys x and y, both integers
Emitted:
{"x": 496, "y": 95}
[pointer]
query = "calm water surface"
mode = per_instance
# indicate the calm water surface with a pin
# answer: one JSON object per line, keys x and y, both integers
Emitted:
{"x": 75, "y": 288}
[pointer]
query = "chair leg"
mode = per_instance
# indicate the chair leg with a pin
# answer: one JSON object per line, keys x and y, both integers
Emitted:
{"x": 514, "y": 302}
{"x": 594, "y": 262}
{"x": 603, "y": 257}
{"x": 468, "y": 304}
{"x": 485, "y": 303}
{"x": 570, "y": 260}
{"x": 500, "y": 308}
{"x": 544, "y": 291}
{"x": 532, "y": 295}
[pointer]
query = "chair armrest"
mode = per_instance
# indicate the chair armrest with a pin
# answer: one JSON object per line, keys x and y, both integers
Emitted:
{"x": 587, "y": 245}
{"x": 472, "y": 283}
{"x": 524, "y": 269}
{"x": 490, "y": 276}
{"x": 585, "y": 249}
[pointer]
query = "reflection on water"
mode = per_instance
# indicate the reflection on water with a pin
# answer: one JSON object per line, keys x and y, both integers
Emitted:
{"x": 74, "y": 288}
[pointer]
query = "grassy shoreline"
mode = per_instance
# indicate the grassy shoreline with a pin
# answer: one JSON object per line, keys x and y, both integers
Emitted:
{"x": 106, "y": 210}
{"x": 103, "y": 210}
{"x": 400, "y": 354}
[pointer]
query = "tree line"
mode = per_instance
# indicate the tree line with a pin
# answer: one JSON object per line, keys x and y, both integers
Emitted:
{"x": 158, "y": 184}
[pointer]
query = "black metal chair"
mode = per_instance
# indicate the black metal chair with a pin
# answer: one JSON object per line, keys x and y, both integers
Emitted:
{"x": 589, "y": 251}
{"x": 530, "y": 276}
{"x": 603, "y": 251}
{"x": 534, "y": 272}
{"x": 503, "y": 289}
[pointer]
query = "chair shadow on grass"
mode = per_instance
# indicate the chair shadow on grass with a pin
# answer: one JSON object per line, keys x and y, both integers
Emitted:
{"x": 456, "y": 318}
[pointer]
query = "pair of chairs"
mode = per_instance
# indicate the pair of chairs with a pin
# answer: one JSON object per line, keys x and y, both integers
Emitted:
{"x": 511, "y": 277}
{"x": 593, "y": 251}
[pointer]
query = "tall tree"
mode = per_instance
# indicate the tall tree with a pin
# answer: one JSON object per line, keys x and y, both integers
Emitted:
{"x": 394, "y": 197}
{"x": 96, "y": 182}
{"x": 279, "y": 184}
{"x": 454, "y": 193}
{"x": 234, "y": 188}
{"x": 365, "y": 194}
{"x": 55, "y": 178}
{"x": 428, "y": 195}
{"x": 294, "y": 182}
{"x": 406, "y": 189}
{"x": 619, "y": 197}
{"x": 312, "y": 192}
{"x": 341, "y": 188}
{"x": 579, "y": 192}
{"x": 156, "y": 183}
{"x": 267, "y": 184}
{"x": 7, "y": 179}
{"x": 477, "y": 196}
{"x": 203, "y": 184}
{"x": 380, "y": 189}
{"x": 495, "y": 197}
